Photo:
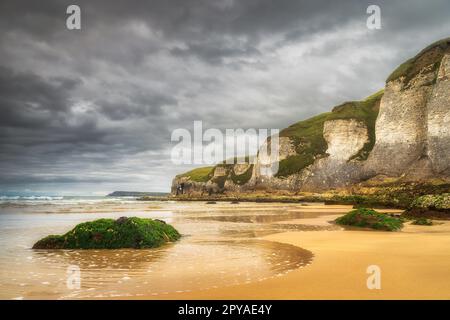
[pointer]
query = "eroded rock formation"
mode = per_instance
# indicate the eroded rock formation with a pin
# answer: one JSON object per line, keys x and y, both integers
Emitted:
{"x": 403, "y": 132}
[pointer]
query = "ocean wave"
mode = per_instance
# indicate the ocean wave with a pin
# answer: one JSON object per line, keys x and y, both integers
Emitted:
{"x": 33, "y": 198}
{"x": 38, "y": 200}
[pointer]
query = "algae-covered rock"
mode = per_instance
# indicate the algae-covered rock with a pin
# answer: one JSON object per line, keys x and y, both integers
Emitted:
{"x": 112, "y": 234}
{"x": 430, "y": 206}
{"x": 422, "y": 222}
{"x": 368, "y": 218}
{"x": 432, "y": 201}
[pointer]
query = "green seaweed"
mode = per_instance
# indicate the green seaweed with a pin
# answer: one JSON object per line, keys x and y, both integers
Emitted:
{"x": 422, "y": 222}
{"x": 369, "y": 218}
{"x": 432, "y": 201}
{"x": 112, "y": 234}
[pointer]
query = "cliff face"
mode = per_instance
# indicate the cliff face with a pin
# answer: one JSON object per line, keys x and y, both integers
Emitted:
{"x": 402, "y": 132}
{"x": 412, "y": 128}
{"x": 438, "y": 120}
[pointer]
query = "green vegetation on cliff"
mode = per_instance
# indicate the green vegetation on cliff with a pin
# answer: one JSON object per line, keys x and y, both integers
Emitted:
{"x": 307, "y": 135}
{"x": 307, "y": 138}
{"x": 369, "y": 218}
{"x": 112, "y": 234}
{"x": 430, "y": 56}
{"x": 199, "y": 174}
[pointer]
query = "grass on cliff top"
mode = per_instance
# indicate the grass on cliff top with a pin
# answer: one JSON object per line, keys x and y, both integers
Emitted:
{"x": 112, "y": 234}
{"x": 431, "y": 55}
{"x": 307, "y": 135}
{"x": 369, "y": 218}
{"x": 199, "y": 174}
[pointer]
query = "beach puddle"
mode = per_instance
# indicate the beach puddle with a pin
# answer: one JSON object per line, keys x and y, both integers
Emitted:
{"x": 213, "y": 252}
{"x": 181, "y": 267}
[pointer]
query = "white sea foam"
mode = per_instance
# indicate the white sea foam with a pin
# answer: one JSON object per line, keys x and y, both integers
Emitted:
{"x": 60, "y": 200}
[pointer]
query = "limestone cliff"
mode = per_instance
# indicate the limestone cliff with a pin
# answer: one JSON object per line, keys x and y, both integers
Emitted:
{"x": 412, "y": 128}
{"x": 401, "y": 132}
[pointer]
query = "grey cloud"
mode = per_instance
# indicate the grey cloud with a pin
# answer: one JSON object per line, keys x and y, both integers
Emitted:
{"x": 29, "y": 100}
{"x": 96, "y": 107}
{"x": 136, "y": 105}
{"x": 214, "y": 52}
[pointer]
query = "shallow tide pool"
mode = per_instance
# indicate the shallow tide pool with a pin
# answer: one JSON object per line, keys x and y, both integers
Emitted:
{"x": 221, "y": 246}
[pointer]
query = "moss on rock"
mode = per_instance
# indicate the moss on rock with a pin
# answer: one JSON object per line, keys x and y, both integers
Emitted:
{"x": 422, "y": 222}
{"x": 112, "y": 234}
{"x": 432, "y": 201}
{"x": 369, "y": 218}
{"x": 430, "y": 206}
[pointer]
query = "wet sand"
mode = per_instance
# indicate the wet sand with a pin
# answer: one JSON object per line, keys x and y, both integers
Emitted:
{"x": 221, "y": 246}
{"x": 229, "y": 251}
{"x": 415, "y": 264}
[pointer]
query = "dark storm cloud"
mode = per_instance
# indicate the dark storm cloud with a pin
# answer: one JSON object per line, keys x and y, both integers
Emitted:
{"x": 95, "y": 107}
{"x": 27, "y": 100}
{"x": 141, "y": 104}
{"x": 213, "y": 53}
{"x": 38, "y": 111}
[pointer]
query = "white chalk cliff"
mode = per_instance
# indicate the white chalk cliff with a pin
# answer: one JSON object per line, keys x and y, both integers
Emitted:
{"x": 402, "y": 132}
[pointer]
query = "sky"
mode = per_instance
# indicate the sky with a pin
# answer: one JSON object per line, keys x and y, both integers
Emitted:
{"x": 90, "y": 111}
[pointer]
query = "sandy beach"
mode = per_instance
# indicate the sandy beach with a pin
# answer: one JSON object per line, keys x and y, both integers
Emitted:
{"x": 228, "y": 251}
{"x": 415, "y": 264}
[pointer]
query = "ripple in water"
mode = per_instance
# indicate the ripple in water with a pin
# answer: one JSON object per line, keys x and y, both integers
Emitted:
{"x": 213, "y": 253}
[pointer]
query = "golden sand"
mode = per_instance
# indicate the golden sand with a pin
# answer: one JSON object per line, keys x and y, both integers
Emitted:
{"x": 415, "y": 264}
{"x": 220, "y": 253}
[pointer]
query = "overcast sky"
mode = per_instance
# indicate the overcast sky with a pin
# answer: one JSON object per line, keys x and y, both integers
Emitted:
{"x": 91, "y": 111}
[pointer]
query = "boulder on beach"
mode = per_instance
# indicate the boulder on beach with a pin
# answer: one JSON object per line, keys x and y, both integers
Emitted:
{"x": 430, "y": 206}
{"x": 124, "y": 232}
{"x": 369, "y": 218}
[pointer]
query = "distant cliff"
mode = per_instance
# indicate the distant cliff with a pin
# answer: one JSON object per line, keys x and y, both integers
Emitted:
{"x": 401, "y": 133}
{"x": 136, "y": 194}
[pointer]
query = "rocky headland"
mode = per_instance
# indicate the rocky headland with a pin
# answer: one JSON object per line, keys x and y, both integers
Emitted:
{"x": 390, "y": 148}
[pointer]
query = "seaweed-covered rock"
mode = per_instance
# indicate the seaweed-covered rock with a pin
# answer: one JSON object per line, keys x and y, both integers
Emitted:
{"x": 112, "y": 234}
{"x": 432, "y": 201}
{"x": 368, "y": 218}
{"x": 422, "y": 222}
{"x": 430, "y": 206}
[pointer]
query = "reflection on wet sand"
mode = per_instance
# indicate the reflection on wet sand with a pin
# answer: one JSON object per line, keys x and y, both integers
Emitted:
{"x": 220, "y": 247}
